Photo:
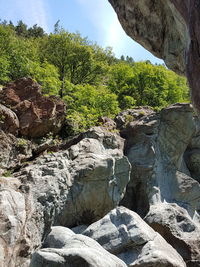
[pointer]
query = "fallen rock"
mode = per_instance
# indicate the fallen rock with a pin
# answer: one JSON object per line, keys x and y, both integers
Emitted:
{"x": 68, "y": 249}
{"x": 123, "y": 233}
{"x": 38, "y": 115}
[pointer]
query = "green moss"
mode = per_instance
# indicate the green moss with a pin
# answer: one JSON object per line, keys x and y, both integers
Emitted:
{"x": 22, "y": 142}
{"x": 7, "y": 173}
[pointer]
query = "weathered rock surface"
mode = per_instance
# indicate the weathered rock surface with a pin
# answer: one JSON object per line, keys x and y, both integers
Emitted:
{"x": 38, "y": 115}
{"x": 155, "y": 146}
{"x": 12, "y": 218}
{"x": 178, "y": 229}
{"x": 80, "y": 181}
{"x": 192, "y": 154}
{"x": 9, "y": 122}
{"x": 64, "y": 248}
{"x": 77, "y": 185}
{"x": 122, "y": 232}
{"x": 13, "y": 151}
{"x": 150, "y": 24}
{"x": 129, "y": 115}
{"x": 170, "y": 30}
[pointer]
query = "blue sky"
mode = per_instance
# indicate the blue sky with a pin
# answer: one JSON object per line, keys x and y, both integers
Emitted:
{"x": 92, "y": 18}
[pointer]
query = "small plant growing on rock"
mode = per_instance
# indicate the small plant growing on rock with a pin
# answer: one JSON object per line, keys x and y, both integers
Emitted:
{"x": 142, "y": 113}
{"x": 2, "y": 118}
{"x": 22, "y": 142}
{"x": 128, "y": 119}
{"x": 7, "y": 173}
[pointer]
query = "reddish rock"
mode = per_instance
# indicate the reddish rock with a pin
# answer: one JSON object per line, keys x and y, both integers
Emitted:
{"x": 38, "y": 115}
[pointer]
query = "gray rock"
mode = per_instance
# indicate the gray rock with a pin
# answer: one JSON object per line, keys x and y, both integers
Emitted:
{"x": 58, "y": 237}
{"x": 127, "y": 116}
{"x": 91, "y": 178}
{"x": 13, "y": 150}
{"x": 13, "y": 219}
{"x": 123, "y": 233}
{"x": 80, "y": 184}
{"x": 156, "y": 147}
{"x": 177, "y": 227}
{"x": 71, "y": 187}
{"x": 73, "y": 250}
{"x": 150, "y": 24}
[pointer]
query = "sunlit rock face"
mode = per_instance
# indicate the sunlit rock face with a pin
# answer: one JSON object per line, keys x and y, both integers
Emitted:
{"x": 170, "y": 30}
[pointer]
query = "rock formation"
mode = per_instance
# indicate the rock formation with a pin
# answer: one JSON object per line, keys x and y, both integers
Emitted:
{"x": 160, "y": 178}
{"x": 76, "y": 185}
{"x": 64, "y": 248}
{"x": 38, "y": 115}
{"x": 149, "y": 164}
{"x": 170, "y": 30}
{"x": 123, "y": 233}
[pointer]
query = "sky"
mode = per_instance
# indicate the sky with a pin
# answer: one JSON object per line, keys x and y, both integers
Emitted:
{"x": 95, "y": 19}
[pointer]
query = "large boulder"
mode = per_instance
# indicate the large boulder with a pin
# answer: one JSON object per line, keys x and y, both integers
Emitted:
{"x": 74, "y": 186}
{"x": 170, "y": 30}
{"x": 178, "y": 229}
{"x": 38, "y": 115}
{"x": 156, "y": 147}
{"x": 123, "y": 233}
{"x": 64, "y": 248}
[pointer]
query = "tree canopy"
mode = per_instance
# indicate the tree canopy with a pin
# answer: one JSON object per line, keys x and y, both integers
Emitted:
{"x": 91, "y": 80}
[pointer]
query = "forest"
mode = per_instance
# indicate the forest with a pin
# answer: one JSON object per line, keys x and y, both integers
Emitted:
{"x": 89, "y": 78}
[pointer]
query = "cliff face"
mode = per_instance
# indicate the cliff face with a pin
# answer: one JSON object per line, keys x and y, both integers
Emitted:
{"x": 146, "y": 162}
{"x": 170, "y": 30}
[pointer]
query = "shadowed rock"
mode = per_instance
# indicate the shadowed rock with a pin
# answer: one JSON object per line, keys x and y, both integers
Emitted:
{"x": 170, "y": 30}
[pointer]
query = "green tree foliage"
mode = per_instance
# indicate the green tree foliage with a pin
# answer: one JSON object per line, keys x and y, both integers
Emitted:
{"x": 91, "y": 80}
{"x": 46, "y": 75}
{"x": 77, "y": 60}
{"x": 87, "y": 103}
{"x": 4, "y": 69}
{"x": 21, "y": 29}
{"x": 146, "y": 84}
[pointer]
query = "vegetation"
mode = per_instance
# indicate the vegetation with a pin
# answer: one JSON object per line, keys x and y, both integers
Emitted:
{"x": 91, "y": 80}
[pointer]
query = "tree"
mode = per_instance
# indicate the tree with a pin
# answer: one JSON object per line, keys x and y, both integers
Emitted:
{"x": 77, "y": 60}
{"x": 87, "y": 103}
{"x": 4, "y": 69}
{"x": 35, "y": 31}
{"x": 146, "y": 84}
{"x": 46, "y": 75}
{"x": 21, "y": 29}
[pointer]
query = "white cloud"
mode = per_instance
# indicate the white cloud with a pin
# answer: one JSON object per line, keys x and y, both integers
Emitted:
{"x": 30, "y": 11}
